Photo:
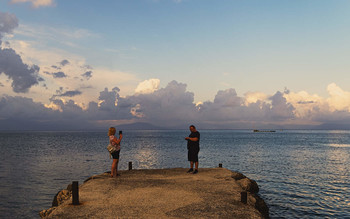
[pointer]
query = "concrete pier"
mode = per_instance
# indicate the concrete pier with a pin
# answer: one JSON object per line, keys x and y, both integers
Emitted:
{"x": 164, "y": 193}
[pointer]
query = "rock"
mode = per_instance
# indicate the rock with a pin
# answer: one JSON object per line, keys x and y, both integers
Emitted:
{"x": 69, "y": 187}
{"x": 45, "y": 213}
{"x": 91, "y": 177}
{"x": 237, "y": 175}
{"x": 252, "y": 187}
{"x": 60, "y": 197}
{"x": 248, "y": 185}
{"x": 54, "y": 201}
{"x": 261, "y": 206}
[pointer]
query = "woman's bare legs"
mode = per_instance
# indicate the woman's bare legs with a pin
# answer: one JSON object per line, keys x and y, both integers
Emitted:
{"x": 114, "y": 168}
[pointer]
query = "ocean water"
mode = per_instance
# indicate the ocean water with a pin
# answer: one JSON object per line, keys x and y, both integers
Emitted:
{"x": 301, "y": 173}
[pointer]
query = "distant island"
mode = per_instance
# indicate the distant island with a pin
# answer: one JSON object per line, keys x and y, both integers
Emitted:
{"x": 139, "y": 126}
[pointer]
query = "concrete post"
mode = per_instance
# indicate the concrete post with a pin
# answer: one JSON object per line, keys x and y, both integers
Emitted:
{"x": 75, "y": 193}
{"x": 244, "y": 197}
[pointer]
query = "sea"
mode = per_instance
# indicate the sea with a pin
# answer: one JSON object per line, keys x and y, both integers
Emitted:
{"x": 300, "y": 173}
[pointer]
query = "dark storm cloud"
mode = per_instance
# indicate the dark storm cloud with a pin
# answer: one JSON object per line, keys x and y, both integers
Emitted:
{"x": 59, "y": 74}
{"x": 87, "y": 75}
{"x": 23, "y": 76}
{"x": 19, "y": 113}
{"x": 22, "y": 108}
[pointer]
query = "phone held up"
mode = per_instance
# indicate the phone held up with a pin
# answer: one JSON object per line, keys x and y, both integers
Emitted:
{"x": 120, "y": 132}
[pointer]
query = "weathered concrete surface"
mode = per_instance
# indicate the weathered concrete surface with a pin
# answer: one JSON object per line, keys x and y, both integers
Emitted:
{"x": 161, "y": 193}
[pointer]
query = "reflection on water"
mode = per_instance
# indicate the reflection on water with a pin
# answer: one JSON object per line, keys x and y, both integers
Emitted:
{"x": 146, "y": 157}
{"x": 300, "y": 173}
{"x": 340, "y": 145}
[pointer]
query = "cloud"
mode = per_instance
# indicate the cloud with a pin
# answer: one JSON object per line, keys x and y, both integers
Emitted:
{"x": 306, "y": 102}
{"x": 8, "y": 22}
{"x": 59, "y": 67}
{"x": 87, "y": 67}
{"x": 173, "y": 106}
{"x": 280, "y": 108}
{"x": 108, "y": 99}
{"x": 35, "y": 3}
{"x": 20, "y": 113}
{"x": 170, "y": 106}
{"x": 253, "y": 97}
{"x": 61, "y": 93}
{"x": 71, "y": 93}
{"x": 227, "y": 98}
{"x": 23, "y": 76}
{"x": 147, "y": 86}
{"x": 229, "y": 110}
{"x": 87, "y": 75}
{"x": 59, "y": 74}
{"x": 339, "y": 99}
{"x": 55, "y": 67}
{"x": 64, "y": 62}
{"x": 65, "y": 35}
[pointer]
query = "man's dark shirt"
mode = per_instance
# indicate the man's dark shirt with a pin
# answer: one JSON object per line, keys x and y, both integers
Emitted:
{"x": 193, "y": 145}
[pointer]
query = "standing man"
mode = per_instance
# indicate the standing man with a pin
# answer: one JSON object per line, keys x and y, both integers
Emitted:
{"x": 193, "y": 148}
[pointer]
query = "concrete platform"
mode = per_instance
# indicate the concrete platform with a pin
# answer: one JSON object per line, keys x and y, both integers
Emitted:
{"x": 160, "y": 193}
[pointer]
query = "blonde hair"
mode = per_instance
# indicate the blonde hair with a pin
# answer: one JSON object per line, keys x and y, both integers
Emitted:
{"x": 111, "y": 131}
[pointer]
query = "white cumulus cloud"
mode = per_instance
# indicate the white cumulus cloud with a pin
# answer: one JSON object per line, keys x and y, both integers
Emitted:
{"x": 339, "y": 99}
{"x": 147, "y": 86}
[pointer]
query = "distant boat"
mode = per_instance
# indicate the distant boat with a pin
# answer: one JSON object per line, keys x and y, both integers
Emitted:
{"x": 256, "y": 130}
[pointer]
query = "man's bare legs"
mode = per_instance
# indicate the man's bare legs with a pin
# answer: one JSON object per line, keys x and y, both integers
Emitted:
{"x": 191, "y": 169}
{"x": 196, "y": 165}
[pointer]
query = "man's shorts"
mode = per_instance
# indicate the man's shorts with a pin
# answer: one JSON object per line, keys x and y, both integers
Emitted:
{"x": 193, "y": 155}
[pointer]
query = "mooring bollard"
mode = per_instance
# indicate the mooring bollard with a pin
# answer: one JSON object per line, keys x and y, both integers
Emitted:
{"x": 130, "y": 165}
{"x": 75, "y": 193}
{"x": 244, "y": 197}
{"x": 220, "y": 165}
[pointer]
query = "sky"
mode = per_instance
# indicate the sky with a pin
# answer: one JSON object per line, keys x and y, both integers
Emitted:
{"x": 230, "y": 64}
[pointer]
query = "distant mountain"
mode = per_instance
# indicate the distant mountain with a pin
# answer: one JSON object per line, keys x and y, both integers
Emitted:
{"x": 138, "y": 126}
{"x": 332, "y": 126}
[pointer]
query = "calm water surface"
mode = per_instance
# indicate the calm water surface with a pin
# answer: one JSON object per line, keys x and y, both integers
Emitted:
{"x": 301, "y": 174}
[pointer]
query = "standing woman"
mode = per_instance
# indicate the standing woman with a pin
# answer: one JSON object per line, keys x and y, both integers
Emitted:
{"x": 116, "y": 143}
